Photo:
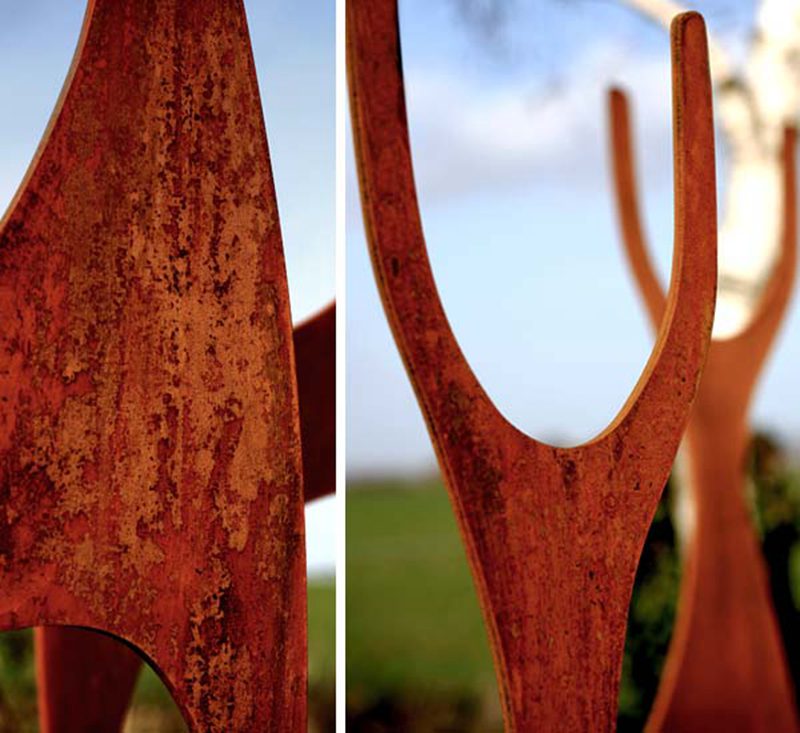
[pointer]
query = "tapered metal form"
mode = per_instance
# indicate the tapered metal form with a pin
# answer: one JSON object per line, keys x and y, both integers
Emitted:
{"x": 150, "y": 458}
{"x": 75, "y": 664}
{"x": 553, "y": 535}
{"x": 726, "y": 668}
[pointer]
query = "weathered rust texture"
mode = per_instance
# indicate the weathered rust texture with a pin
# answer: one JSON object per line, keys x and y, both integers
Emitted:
{"x": 726, "y": 668}
{"x": 553, "y": 535}
{"x": 150, "y": 459}
{"x": 75, "y": 664}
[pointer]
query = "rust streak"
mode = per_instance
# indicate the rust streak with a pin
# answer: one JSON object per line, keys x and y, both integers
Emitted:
{"x": 149, "y": 420}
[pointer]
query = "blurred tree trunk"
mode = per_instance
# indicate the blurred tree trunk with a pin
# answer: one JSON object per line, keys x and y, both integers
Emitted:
{"x": 754, "y": 103}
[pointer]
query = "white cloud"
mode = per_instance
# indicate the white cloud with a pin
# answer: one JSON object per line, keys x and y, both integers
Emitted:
{"x": 470, "y": 136}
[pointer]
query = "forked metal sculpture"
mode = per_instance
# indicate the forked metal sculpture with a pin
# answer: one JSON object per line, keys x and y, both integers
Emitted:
{"x": 75, "y": 664}
{"x": 553, "y": 535}
{"x": 726, "y": 668}
{"x": 150, "y": 457}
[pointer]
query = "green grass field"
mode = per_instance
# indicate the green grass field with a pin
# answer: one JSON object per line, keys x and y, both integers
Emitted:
{"x": 417, "y": 652}
{"x": 415, "y": 635}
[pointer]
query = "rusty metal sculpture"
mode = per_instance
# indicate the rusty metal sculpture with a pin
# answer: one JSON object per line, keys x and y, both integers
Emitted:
{"x": 726, "y": 668}
{"x": 315, "y": 364}
{"x": 553, "y": 535}
{"x": 75, "y": 664}
{"x": 150, "y": 460}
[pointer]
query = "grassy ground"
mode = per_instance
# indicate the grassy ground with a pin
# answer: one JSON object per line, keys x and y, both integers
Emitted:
{"x": 152, "y": 709}
{"x": 415, "y": 636}
{"x": 322, "y": 656}
{"x": 417, "y": 653}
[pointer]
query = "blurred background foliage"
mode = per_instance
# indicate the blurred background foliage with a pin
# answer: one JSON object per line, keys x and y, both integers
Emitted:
{"x": 152, "y": 709}
{"x": 417, "y": 653}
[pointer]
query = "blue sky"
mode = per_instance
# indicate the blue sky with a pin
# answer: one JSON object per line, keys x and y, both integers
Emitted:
{"x": 293, "y": 43}
{"x": 509, "y": 145}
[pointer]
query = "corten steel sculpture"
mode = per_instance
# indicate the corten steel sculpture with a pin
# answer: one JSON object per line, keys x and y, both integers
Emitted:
{"x": 726, "y": 668}
{"x": 75, "y": 664}
{"x": 150, "y": 459}
{"x": 553, "y": 535}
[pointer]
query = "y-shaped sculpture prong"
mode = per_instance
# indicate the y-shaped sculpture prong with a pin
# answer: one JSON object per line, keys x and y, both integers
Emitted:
{"x": 726, "y": 668}
{"x": 553, "y": 535}
{"x": 150, "y": 459}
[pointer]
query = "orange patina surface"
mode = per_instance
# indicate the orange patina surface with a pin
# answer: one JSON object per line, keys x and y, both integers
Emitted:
{"x": 150, "y": 455}
{"x": 553, "y": 535}
{"x": 75, "y": 664}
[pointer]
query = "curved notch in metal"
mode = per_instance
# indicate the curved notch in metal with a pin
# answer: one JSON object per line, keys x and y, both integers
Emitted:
{"x": 100, "y": 671}
{"x": 394, "y": 226}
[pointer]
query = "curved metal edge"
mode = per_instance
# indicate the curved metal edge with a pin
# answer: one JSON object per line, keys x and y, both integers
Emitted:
{"x": 776, "y": 295}
{"x": 660, "y": 403}
{"x": 436, "y": 367}
{"x": 65, "y": 655}
{"x": 391, "y": 212}
{"x": 54, "y": 115}
{"x": 771, "y": 307}
{"x": 397, "y": 244}
{"x": 627, "y": 206}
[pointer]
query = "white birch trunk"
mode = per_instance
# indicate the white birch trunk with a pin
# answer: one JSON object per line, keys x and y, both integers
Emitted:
{"x": 754, "y": 103}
